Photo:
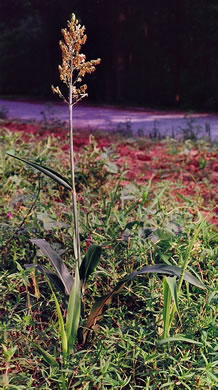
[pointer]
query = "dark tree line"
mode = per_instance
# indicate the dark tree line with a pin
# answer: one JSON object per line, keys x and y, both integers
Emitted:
{"x": 153, "y": 52}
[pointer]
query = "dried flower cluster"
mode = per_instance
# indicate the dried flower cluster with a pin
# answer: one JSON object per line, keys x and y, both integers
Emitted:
{"x": 74, "y": 65}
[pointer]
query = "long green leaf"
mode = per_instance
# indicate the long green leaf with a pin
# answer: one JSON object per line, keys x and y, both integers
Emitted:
{"x": 167, "y": 304}
{"x": 90, "y": 262}
{"x": 171, "y": 281}
{"x": 170, "y": 290}
{"x": 98, "y": 307}
{"x": 165, "y": 269}
{"x": 178, "y": 338}
{"x": 57, "y": 262}
{"x": 46, "y": 355}
{"x": 47, "y": 171}
{"x": 73, "y": 311}
{"x": 63, "y": 334}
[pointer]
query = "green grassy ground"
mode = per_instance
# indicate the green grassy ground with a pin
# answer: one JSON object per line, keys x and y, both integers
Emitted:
{"x": 149, "y": 219}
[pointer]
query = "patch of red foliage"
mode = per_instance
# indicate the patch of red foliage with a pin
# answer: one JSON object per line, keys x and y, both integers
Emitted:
{"x": 186, "y": 172}
{"x": 41, "y": 132}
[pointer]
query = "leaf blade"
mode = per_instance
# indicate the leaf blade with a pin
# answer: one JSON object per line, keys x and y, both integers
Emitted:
{"x": 46, "y": 355}
{"x": 73, "y": 311}
{"x": 166, "y": 311}
{"x": 61, "y": 324}
{"x": 165, "y": 269}
{"x": 90, "y": 262}
{"x": 178, "y": 338}
{"x": 47, "y": 171}
{"x": 57, "y": 262}
{"x": 98, "y": 307}
{"x": 171, "y": 281}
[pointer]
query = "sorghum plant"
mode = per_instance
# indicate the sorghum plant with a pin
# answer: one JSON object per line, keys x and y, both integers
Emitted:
{"x": 74, "y": 67}
{"x": 72, "y": 284}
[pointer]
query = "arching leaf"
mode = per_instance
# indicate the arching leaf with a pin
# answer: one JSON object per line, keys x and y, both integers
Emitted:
{"x": 57, "y": 262}
{"x": 47, "y": 171}
{"x": 164, "y": 269}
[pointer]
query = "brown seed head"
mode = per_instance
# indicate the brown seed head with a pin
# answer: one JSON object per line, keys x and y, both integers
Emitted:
{"x": 74, "y": 66}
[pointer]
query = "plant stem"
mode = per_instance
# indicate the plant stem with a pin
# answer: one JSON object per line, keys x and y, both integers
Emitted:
{"x": 72, "y": 165}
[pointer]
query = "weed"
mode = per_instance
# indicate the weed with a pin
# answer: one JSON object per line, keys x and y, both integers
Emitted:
{"x": 131, "y": 230}
{"x": 191, "y": 131}
{"x": 146, "y": 226}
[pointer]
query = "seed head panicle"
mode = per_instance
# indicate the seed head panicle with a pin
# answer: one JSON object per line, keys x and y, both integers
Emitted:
{"x": 74, "y": 65}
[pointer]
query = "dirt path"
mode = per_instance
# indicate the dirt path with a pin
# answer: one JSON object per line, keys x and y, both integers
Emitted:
{"x": 130, "y": 120}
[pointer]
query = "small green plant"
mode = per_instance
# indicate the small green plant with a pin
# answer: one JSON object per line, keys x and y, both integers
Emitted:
{"x": 8, "y": 354}
{"x": 191, "y": 131}
{"x": 72, "y": 284}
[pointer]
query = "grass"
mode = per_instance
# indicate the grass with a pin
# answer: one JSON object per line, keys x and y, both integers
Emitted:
{"x": 151, "y": 218}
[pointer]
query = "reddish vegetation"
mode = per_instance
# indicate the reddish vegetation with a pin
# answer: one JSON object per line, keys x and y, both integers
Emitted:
{"x": 191, "y": 173}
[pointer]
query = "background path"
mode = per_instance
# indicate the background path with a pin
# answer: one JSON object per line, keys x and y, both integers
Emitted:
{"x": 136, "y": 120}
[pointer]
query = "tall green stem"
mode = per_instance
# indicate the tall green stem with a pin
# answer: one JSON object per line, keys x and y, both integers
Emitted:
{"x": 74, "y": 66}
{"x": 72, "y": 165}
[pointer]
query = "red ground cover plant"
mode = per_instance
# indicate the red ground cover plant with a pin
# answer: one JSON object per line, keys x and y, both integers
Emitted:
{"x": 191, "y": 173}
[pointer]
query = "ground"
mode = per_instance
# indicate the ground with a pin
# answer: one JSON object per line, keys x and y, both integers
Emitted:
{"x": 190, "y": 168}
{"x": 144, "y": 201}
